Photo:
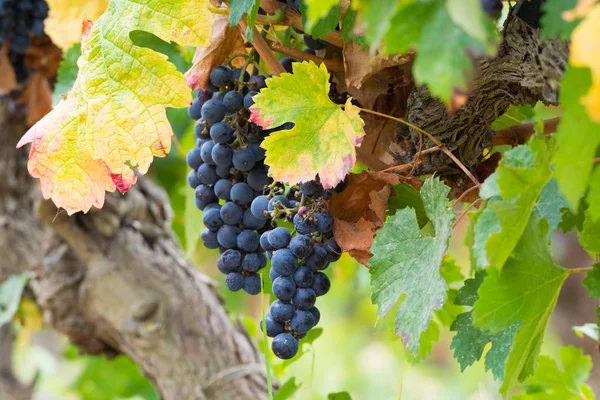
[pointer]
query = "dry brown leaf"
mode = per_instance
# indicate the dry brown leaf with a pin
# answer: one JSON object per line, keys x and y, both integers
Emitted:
{"x": 359, "y": 211}
{"x": 225, "y": 42}
{"x": 38, "y": 97}
{"x": 8, "y": 81}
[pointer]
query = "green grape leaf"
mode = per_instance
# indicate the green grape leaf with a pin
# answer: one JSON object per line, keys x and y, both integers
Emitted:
{"x": 67, "y": 72}
{"x": 322, "y": 25}
{"x": 349, "y": 21}
{"x": 377, "y": 18}
{"x": 593, "y": 196}
{"x": 443, "y": 65}
{"x": 524, "y": 292}
{"x": 592, "y": 282}
{"x": 551, "y": 205}
{"x": 553, "y": 23}
{"x": 550, "y": 382}
{"x": 578, "y": 137}
{"x": 427, "y": 340}
{"x": 513, "y": 116}
{"x": 590, "y": 235}
{"x": 407, "y": 196}
{"x": 10, "y": 296}
{"x": 314, "y": 10}
{"x": 513, "y": 191}
{"x": 470, "y": 341}
{"x": 451, "y": 271}
{"x": 287, "y": 390}
{"x": 406, "y": 264}
{"x": 324, "y": 137}
{"x": 241, "y": 7}
{"x": 114, "y": 119}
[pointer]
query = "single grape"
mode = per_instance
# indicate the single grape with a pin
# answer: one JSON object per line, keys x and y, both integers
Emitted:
{"x": 204, "y": 193}
{"x": 251, "y": 262}
{"x": 304, "y": 299}
{"x": 274, "y": 328}
{"x": 315, "y": 44}
{"x": 317, "y": 260}
{"x": 231, "y": 260}
{"x": 251, "y": 222}
{"x": 281, "y": 312}
{"x": 284, "y": 288}
{"x": 203, "y": 95}
{"x": 286, "y": 63}
{"x": 234, "y": 100}
{"x": 316, "y": 315}
{"x": 194, "y": 158}
{"x": 221, "y": 76}
{"x": 223, "y": 171}
{"x": 311, "y": 189}
{"x": 302, "y": 322}
{"x": 259, "y": 207}
{"x": 212, "y": 219}
{"x": 234, "y": 281}
{"x": 285, "y": 346}
{"x": 237, "y": 73}
{"x": 221, "y": 133}
{"x": 248, "y": 241}
{"x": 257, "y": 82}
{"x": 303, "y": 277}
{"x": 252, "y": 284}
{"x": 215, "y": 206}
{"x": 243, "y": 160}
{"x": 207, "y": 174}
{"x": 209, "y": 239}
{"x": 206, "y": 152}
{"x": 213, "y": 111}
{"x": 321, "y": 284}
{"x": 231, "y": 213}
{"x": 264, "y": 242}
{"x": 195, "y": 110}
{"x": 248, "y": 99}
{"x": 222, "y": 155}
{"x": 242, "y": 194}
{"x": 193, "y": 179}
{"x": 283, "y": 261}
{"x": 301, "y": 246}
{"x": 303, "y": 225}
{"x": 273, "y": 275}
{"x": 200, "y": 143}
{"x": 222, "y": 188}
{"x": 279, "y": 238}
{"x": 227, "y": 236}
{"x": 258, "y": 179}
{"x": 324, "y": 222}
{"x": 259, "y": 152}
{"x": 334, "y": 251}
{"x": 493, "y": 8}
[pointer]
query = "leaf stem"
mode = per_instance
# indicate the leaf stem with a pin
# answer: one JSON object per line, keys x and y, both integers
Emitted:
{"x": 402, "y": 167}
{"x": 579, "y": 270}
{"x": 466, "y": 210}
{"x": 431, "y": 137}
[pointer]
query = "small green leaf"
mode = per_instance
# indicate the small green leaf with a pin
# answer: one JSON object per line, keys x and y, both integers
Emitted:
{"x": 237, "y": 8}
{"x": 10, "y": 296}
{"x": 377, "y": 18}
{"x": 406, "y": 264}
{"x": 339, "y": 396}
{"x": 407, "y": 196}
{"x": 467, "y": 295}
{"x": 513, "y": 116}
{"x": 590, "y": 235}
{"x": 348, "y": 24}
{"x": 324, "y": 137}
{"x": 552, "y": 383}
{"x": 577, "y": 137}
{"x": 513, "y": 191}
{"x": 315, "y": 10}
{"x": 287, "y": 390}
{"x": 67, "y": 72}
{"x": 592, "y": 281}
{"x": 524, "y": 292}
{"x": 551, "y": 205}
{"x": 553, "y": 23}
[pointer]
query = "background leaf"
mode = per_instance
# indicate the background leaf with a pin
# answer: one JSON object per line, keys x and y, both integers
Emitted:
{"x": 10, "y": 296}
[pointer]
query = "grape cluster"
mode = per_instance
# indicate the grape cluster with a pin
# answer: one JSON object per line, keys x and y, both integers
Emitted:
{"x": 228, "y": 173}
{"x": 20, "y": 21}
{"x": 297, "y": 261}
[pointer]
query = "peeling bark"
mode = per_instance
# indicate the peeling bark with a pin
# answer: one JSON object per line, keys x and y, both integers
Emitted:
{"x": 526, "y": 70}
{"x": 115, "y": 282}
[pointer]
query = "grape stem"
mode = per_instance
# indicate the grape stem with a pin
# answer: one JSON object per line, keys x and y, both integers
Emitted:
{"x": 466, "y": 210}
{"x": 441, "y": 146}
{"x": 580, "y": 270}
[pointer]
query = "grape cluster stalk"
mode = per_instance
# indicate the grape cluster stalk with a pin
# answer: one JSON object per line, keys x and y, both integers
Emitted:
{"x": 241, "y": 206}
{"x": 20, "y": 21}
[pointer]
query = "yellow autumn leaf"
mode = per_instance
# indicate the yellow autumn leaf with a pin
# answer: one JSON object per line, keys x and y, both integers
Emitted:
{"x": 114, "y": 119}
{"x": 63, "y": 24}
{"x": 585, "y": 52}
{"x": 31, "y": 321}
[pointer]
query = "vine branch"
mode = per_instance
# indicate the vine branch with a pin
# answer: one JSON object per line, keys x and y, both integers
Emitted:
{"x": 332, "y": 64}
{"x": 263, "y": 49}
{"x": 519, "y": 134}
